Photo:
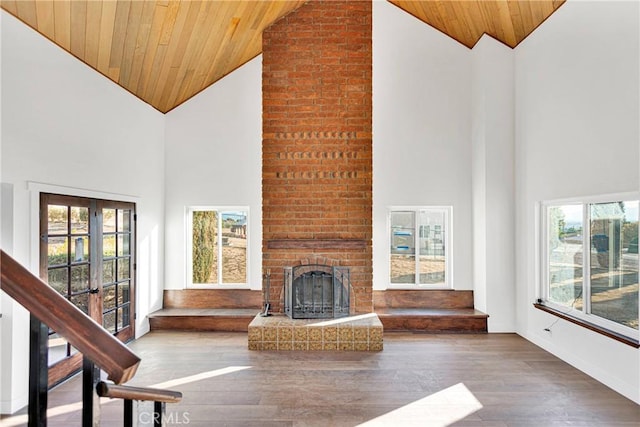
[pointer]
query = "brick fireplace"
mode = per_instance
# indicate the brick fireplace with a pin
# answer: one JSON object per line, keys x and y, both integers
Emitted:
{"x": 317, "y": 144}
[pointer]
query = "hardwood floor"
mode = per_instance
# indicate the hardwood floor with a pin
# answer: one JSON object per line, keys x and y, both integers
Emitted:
{"x": 418, "y": 380}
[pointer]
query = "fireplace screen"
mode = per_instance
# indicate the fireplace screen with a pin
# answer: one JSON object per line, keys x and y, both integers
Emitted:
{"x": 316, "y": 291}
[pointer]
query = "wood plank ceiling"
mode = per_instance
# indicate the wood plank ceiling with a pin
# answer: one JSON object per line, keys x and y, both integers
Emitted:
{"x": 508, "y": 21}
{"x": 166, "y": 51}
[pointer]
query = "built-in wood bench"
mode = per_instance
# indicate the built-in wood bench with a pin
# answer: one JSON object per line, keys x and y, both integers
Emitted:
{"x": 435, "y": 311}
{"x": 207, "y": 310}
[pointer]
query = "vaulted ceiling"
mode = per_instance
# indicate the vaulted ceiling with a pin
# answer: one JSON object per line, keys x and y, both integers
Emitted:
{"x": 508, "y": 21}
{"x": 166, "y": 51}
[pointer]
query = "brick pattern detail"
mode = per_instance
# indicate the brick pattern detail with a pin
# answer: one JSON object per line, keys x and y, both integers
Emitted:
{"x": 317, "y": 140}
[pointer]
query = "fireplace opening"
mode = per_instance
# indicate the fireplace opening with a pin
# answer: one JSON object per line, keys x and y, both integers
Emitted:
{"x": 316, "y": 291}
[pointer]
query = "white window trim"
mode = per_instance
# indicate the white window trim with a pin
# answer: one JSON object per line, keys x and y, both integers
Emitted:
{"x": 189, "y": 252}
{"x": 448, "y": 248}
{"x": 583, "y": 314}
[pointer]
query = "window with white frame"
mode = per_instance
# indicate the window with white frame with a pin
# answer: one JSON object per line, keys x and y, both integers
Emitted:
{"x": 420, "y": 247}
{"x": 590, "y": 261}
{"x": 217, "y": 246}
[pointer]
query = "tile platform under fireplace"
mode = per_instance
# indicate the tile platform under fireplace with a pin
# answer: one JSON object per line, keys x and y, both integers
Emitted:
{"x": 279, "y": 332}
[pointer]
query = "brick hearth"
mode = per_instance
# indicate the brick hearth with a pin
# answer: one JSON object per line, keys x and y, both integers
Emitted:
{"x": 278, "y": 332}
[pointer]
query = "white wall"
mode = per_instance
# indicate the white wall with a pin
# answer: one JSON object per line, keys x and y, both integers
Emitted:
{"x": 70, "y": 129}
{"x": 5, "y": 231}
{"x": 493, "y": 182}
{"x": 421, "y": 128}
{"x": 577, "y": 119}
{"x": 214, "y": 158}
{"x": 13, "y": 315}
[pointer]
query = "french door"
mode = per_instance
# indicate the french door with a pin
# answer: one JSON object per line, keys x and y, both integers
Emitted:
{"x": 87, "y": 254}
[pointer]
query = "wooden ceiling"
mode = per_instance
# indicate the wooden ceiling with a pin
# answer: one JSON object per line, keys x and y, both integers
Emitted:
{"x": 166, "y": 51}
{"x": 508, "y": 21}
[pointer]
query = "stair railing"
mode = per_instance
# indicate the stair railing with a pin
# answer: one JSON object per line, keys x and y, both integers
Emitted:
{"x": 100, "y": 349}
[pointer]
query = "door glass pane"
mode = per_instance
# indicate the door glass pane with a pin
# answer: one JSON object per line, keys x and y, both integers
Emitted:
{"x": 109, "y": 321}
{"x": 80, "y": 249}
{"x": 431, "y": 226}
{"x": 79, "y": 220}
{"x": 403, "y": 260}
{"x": 614, "y": 261}
{"x": 109, "y": 295}
{"x": 234, "y": 247}
{"x": 205, "y": 246}
{"x": 57, "y": 251}
{"x": 123, "y": 269}
{"x": 79, "y": 278}
{"x": 109, "y": 246}
{"x": 57, "y": 219}
{"x": 108, "y": 271}
{"x": 59, "y": 279}
{"x": 565, "y": 228}
{"x": 123, "y": 293}
{"x": 123, "y": 317}
{"x": 123, "y": 245}
{"x": 124, "y": 218}
{"x": 109, "y": 220}
{"x": 81, "y": 301}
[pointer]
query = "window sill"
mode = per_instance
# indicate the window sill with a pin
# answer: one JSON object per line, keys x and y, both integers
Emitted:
{"x": 230, "y": 287}
{"x": 592, "y": 327}
{"x": 403, "y": 287}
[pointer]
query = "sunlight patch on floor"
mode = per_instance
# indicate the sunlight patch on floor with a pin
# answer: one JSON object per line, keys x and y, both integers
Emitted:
{"x": 200, "y": 376}
{"x": 440, "y": 409}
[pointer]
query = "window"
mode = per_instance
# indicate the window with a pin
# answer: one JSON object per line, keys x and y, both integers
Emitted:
{"x": 420, "y": 247}
{"x": 217, "y": 246}
{"x": 591, "y": 261}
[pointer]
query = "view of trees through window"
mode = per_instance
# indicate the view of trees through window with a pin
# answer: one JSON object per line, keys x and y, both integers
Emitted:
{"x": 218, "y": 246}
{"x": 605, "y": 283}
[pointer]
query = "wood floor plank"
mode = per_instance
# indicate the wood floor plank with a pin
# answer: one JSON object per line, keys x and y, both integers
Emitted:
{"x": 419, "y": 379}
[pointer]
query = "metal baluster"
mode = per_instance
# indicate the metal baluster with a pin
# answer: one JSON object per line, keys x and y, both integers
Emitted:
{"x": 331, "y": 302}
{"x": 158, "y": 413}
{"x": 38, "y": 372}
{"x": 128, "y": 413}
{"x": 321, "y": 296}
{"x": 90, "y": 399}
{"x": 341, "y": 292}
{"x": 313, "y": 293}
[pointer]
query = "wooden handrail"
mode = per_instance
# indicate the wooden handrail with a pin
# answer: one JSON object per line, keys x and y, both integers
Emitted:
{"x": 82, "y": 332}
{"x": 137, "y": 393}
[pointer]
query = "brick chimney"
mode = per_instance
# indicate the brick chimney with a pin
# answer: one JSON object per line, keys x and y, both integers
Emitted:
{"x": 317, "y": 143}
